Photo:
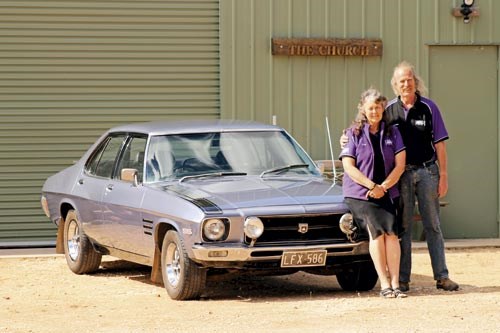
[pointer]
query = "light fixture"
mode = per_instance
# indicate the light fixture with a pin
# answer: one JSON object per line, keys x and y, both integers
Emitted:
{"x": 466, "y": 10}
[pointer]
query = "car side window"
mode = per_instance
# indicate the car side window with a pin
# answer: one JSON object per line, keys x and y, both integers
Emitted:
{"x": 133, "y": 156}
{"x": 103, "y": 159}
{"x": 160, "y": 161}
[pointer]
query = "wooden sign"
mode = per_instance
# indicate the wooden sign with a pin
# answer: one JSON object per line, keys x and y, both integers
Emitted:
{"x": 326, "y": 47}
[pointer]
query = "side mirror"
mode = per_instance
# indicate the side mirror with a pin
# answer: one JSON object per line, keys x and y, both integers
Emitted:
{"x": 130, "y": 175}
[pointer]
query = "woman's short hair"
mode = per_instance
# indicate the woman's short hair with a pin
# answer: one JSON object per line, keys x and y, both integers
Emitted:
{"x": 369, "y": 95}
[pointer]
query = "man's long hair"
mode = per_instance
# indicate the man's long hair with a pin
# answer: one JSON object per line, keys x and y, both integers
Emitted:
{"x": 419, "y": 83}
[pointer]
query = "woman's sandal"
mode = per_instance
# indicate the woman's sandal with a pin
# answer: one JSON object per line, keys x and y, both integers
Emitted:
{"x": 398, "y": 293}
{"x": 387, "y": 293}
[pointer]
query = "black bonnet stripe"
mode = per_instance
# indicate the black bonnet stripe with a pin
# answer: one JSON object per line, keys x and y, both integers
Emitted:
{"x": 194, "y": 197}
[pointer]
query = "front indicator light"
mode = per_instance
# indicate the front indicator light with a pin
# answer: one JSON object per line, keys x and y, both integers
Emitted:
{"x": 217, "y": 254}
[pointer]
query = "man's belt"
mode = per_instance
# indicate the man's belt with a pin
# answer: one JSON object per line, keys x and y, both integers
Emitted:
{"x": 420, "y": 165}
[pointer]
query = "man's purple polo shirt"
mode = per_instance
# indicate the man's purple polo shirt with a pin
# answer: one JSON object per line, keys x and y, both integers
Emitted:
{"x": 421, "y": 128}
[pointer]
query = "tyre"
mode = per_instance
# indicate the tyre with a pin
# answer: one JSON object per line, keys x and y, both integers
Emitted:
{"x": 360, "y": 276}
{"x": 181, "y": 277}
{"x": 80, "y": 255}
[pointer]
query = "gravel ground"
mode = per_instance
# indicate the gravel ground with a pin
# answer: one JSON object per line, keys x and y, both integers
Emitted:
{"x": 40, "y": 294}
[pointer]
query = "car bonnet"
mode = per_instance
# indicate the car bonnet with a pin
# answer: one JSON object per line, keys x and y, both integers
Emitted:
{"x": 251, "y": 192}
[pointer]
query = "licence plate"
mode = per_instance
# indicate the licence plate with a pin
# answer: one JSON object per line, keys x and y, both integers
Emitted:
{"x": 303, "y": 258}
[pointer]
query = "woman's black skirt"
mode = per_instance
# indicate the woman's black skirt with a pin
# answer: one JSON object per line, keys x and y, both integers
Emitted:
{"x": 376, "y": 215}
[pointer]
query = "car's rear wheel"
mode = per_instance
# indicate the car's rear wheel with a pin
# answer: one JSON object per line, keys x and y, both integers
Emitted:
{"x": 360, "y": 276}
{"x": 181, "y": 277}
{"x": 80, "y": 255}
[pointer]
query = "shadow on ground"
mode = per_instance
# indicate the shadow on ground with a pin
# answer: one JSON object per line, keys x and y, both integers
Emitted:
{"x": 300, "y": 285}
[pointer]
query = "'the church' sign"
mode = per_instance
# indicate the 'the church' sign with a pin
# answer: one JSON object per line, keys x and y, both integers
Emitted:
{"x": 326, "y": 47}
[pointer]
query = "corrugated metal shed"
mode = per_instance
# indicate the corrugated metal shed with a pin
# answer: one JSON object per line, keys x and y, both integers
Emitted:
{"x": 71, "y": 69}
{"x": 301, "y": 91}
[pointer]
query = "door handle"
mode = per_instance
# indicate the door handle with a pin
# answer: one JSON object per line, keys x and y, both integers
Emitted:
{"x": 80, "y": 181}
{"x": 109, "y": 187}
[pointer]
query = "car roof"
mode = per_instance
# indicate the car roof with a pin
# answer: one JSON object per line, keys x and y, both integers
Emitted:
{"x": 193, "y": 126}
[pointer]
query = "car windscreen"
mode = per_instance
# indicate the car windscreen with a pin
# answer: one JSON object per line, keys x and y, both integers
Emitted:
{"x": 250, "y": 152}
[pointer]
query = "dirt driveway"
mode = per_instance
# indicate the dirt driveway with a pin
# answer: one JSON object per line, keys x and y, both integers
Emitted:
{"x": 41, "y": 295}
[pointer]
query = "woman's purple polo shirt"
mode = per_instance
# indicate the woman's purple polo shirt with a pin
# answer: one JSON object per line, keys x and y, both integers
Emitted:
{"x": 360, "y": 148}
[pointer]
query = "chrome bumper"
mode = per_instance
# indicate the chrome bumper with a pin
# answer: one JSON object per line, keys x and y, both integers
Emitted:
{"x": 232, "y": 253}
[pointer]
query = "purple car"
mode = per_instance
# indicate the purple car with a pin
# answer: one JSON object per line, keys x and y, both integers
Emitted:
{"x": 197, "y": 199}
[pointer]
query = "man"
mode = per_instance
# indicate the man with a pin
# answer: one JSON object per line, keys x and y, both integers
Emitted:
{"x": 425, "y": 178}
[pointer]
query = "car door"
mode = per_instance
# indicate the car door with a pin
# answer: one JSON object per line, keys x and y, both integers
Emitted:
{"x": 122, "y": 200}
{"x": 91, "y": 185}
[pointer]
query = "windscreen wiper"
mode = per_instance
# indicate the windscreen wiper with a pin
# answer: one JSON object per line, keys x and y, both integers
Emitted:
{"x": 284, "y": 168}
{"x": 212, "y": 174}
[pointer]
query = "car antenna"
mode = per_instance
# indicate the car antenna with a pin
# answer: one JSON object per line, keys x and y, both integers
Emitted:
{"x": 331, "y": 151}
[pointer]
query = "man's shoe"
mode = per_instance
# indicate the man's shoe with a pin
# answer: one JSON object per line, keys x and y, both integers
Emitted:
{"x": 446, "y": 284}
{"x": 404, "y": 286}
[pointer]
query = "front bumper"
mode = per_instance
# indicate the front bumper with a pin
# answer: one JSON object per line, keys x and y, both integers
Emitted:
{"x": 235, "y": 253}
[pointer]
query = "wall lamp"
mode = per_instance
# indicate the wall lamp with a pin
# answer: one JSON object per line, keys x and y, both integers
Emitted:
{"x": 466, "y": 10}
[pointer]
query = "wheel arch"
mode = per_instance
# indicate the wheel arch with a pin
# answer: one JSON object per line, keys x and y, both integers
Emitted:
{"x": 161, "y": 230}
{"x": 65, "y": 208}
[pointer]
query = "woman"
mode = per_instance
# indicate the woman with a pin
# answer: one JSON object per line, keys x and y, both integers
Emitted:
{"x": 373, "y": 161}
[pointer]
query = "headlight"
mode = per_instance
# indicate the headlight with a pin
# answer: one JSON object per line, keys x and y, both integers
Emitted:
{"x": 347, "y": 226}
{"x": 214, "y": 229}
{"x": 253, "y": 227}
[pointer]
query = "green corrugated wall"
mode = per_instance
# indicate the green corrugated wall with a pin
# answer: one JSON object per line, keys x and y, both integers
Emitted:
{"x": 302, "y": 91}
{"x": 71, "y": 69}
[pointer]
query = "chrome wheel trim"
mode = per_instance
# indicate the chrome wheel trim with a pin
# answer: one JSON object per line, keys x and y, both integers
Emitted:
{"x": 173, "y": 265}
{"x": 73, "y": 240}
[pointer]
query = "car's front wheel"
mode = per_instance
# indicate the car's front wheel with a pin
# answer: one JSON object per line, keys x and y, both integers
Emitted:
{"x": 360, "y": 276}
{"x": 181, "y": 277}
{"x": 80, "y": 255}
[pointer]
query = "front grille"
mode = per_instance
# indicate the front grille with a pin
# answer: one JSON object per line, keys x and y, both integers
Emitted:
{"x": 284, "y": 230}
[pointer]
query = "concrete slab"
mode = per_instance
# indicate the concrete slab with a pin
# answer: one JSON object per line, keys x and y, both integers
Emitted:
{"x": 462, "y": 243}
{"x": 449, "y": 244}
{"x": 28, "y": 252}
